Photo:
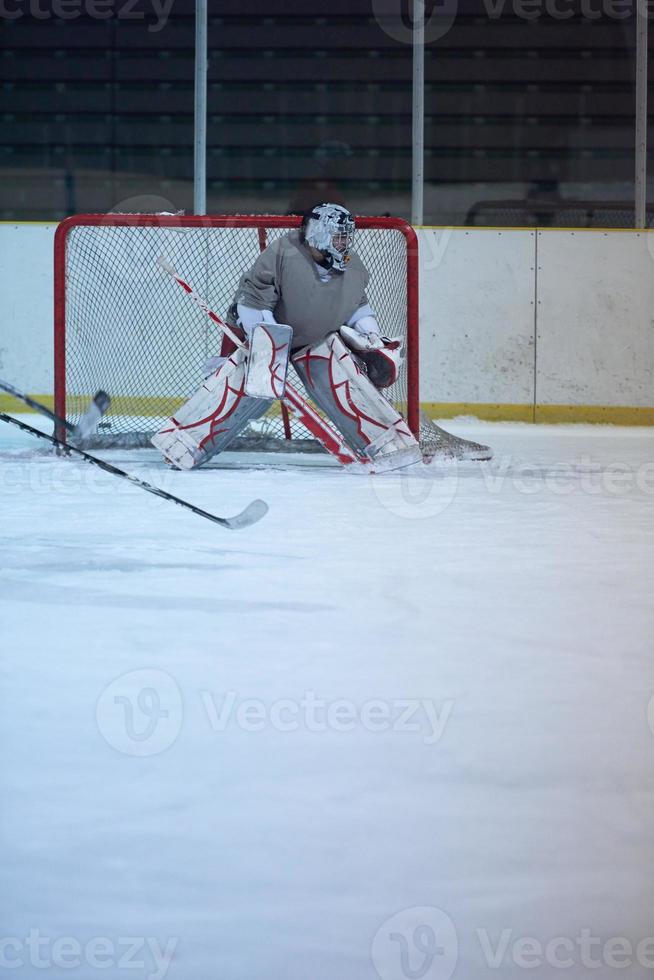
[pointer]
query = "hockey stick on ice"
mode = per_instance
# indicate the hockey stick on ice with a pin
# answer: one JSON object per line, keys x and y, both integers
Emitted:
{"x": 252, "y": 513}
{"x": 293, "y": 400}
{"x": 87, "y": 423}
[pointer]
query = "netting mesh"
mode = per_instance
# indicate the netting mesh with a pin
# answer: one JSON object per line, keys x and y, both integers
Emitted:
{"x": 131, "y": 330}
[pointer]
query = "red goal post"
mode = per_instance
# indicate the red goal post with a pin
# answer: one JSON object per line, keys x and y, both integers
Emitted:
{"x": 119, "y": 326}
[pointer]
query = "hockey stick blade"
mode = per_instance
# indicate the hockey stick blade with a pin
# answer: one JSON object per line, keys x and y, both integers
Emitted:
{"x": 250, "y": 515}
{"x": 91, "y": 418}
{"x": 87, "y": 423}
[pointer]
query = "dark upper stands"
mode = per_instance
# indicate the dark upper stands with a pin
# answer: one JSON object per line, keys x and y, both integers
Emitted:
{"x": 97, "y": 111}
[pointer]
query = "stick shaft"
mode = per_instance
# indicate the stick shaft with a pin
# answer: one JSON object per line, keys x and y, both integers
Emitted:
{"x": 84, "y": 426}
{"x": 115, "y": 471}
{"x": 37, "y": 406}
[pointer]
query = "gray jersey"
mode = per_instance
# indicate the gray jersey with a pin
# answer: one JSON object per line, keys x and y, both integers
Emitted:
{"x": 286, "y": 281}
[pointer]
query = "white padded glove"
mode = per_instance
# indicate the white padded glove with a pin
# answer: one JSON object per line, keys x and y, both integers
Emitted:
{"x": 383, "y": 356}
{"x": 248, "y": 318}
{"x": 366, "y": 325}
{"x": 359, "y": 340}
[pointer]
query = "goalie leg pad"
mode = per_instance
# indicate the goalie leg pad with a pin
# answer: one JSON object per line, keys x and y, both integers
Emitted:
{"x": 267, "y": 367}
{"x": 212, "y": 417}
{"x": 368, "y": 422}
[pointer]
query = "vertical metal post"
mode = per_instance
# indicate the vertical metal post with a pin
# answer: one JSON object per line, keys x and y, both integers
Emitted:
{"x": 640, "y": 210}
{"x": 200, "y": 133}
{"x": 418, "y": 147}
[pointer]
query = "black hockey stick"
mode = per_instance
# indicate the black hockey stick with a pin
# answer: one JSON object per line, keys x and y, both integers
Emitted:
{"x": 87, "y": 423}
{"x": 252, "y": 513}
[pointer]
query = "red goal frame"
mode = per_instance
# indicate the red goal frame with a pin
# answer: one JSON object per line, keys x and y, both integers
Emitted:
{"x": 262, "y": 222}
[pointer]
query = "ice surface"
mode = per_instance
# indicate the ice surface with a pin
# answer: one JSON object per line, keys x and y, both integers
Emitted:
{"x": 502, "y": 612}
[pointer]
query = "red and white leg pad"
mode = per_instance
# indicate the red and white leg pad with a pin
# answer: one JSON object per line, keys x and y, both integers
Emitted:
{"x": 369, "y": 423}
{"x": 267, "y": 367}
{"x": 212, "y": 417}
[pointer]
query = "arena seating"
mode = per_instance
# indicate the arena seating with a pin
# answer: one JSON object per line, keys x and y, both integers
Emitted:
{"x": 313, "y": 100}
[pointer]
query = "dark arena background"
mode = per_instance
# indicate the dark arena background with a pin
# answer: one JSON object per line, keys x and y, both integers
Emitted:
{"x": 529, "y": 108}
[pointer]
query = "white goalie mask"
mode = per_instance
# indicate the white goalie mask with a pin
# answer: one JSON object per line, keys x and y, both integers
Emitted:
{"x": 329, "y": 228}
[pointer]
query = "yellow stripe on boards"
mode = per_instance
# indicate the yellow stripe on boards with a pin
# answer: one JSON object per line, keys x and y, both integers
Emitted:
{"x": 10, "y": 404}
{"x": 550, "y": 414}
{"x": 148, "y": 406}
{"x": 488, "y": 411}
{"x": 164, "y": 406}
{"x": 596, "y": 414}
{"x": 42, "y": 223}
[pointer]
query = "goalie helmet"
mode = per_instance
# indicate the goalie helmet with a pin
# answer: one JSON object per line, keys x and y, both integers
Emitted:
{"x": 329, "y": 228}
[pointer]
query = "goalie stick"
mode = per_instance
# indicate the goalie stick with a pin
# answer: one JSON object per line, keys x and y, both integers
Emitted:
{"x": 87, "y": 423}
{"x": 292, "y": 400}
{"x": 250, "y": 515}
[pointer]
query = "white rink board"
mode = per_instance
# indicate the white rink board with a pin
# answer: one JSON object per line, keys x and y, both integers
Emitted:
{"x": 595, "y": 318}
{"x": 595, "y": 333}
{"x": 477, "y": 315}
{"x": 27, "y": 305}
